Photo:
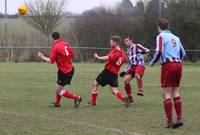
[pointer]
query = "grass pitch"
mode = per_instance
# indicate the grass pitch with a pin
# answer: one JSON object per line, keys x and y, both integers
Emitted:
{"x": 26, "y": 89}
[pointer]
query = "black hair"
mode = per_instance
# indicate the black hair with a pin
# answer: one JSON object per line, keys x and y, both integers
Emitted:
{"x": 55, "y": 35}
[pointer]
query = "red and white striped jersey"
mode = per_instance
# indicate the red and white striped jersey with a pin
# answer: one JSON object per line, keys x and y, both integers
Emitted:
{"x": 135, "y": 55}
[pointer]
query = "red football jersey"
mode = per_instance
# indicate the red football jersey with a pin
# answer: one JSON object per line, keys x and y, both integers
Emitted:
{"x": 116, "y": 59}
{"x": 62, "y": 53}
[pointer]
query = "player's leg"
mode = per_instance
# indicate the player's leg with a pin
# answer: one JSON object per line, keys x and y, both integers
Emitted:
{"x": 138, "y": 75}
{"x": 94, "y": 93}
{"x": 177, "y": 102}
{"x": 140, "y": 85}
{"x": 120, "y": 96}
{"x": 166, "y": 93}
{"x": 58, "y": 96}
{"x": 127, "y": 80}
{"x": 177, "y": 96}
{"x": 65, "y": 79}
{"x": 66, "y": 93}
{"x": 102, "y": 79}
{"x": 178, "y": 107}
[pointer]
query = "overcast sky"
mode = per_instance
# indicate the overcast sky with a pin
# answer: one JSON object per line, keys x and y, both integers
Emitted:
{"x": 77, "y": 6}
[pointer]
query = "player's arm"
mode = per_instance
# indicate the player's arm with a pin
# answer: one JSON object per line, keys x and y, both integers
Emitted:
{"x": 159, "y": 49}
{"x": 142, "y": 49}
{"x": 182, "y": 51}
{"x": 71, "y": 53}
{"x": 52, "y": 58}
{"x": 43, "y": 57}
{"x": 104, "y": 58}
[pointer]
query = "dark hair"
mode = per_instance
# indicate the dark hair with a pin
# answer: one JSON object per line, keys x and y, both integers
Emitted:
{"x": 163, "y": 24}
{"x": 116, "y": 39}
{"x": 55, "y": 35}
{"x": 129, "y": 36}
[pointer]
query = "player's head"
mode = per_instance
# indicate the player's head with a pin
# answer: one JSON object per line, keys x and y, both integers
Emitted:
{"x": 128, "y": 40}
{"x": 115, "y": 41}
{"x": 162, "y": 24}
{"x": 55, "y": 35}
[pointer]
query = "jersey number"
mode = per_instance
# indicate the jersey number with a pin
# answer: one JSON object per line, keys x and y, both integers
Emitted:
{"x": 173, "y": 43}
{"x": 119, "y": 61}
{"x": 67, "y": 52}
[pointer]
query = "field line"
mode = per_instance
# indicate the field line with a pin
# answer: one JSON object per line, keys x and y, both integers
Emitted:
{"x": 77, "y": 123}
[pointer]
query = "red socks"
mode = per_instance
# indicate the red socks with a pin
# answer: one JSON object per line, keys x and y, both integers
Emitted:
{"x": 95, "y": 94}
{"x": 58, "y": 99}
{"x": 178, "y": 107}
{"x": 168, "y": 109}
{"x": 128, "y": 90}
{"x": 93, "y": 98}
{"x": 120, "y": 95}
{"x": 140, "y": 84}
{"x": 68, "y": 94}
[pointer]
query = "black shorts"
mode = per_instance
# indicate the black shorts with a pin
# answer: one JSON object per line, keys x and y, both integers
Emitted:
{"x": 106, "y": 77}
{"x": 65, "y": 78}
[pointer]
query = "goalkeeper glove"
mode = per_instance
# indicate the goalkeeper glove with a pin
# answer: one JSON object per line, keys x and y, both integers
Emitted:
{"x": 122, "y": 74}
{"x": 143, "y": 52}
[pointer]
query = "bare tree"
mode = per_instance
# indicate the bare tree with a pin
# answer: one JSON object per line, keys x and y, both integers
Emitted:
{"x": 45, "y": 15}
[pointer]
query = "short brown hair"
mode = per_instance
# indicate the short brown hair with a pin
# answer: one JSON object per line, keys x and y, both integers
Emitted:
{"x": 116, "y": 39}
{"x": 163, "y": 24}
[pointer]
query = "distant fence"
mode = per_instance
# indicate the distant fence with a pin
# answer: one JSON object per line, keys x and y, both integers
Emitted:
{"x": 82, "y": 54}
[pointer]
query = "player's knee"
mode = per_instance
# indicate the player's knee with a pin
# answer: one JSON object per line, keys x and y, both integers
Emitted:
{"x": 166, "y": 96}
{"x": 137, "y": 76}
{"x": 114, "y": 91}
{"x": 95, "y": 84}
{"x": 58, "y": 90}
{"x": 176, "y": 94}
{"x": 126, "y": 81}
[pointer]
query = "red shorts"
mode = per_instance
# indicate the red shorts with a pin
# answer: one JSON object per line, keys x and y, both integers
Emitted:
{"x": 136, "y": 70}
{"x": 171, "y": 74}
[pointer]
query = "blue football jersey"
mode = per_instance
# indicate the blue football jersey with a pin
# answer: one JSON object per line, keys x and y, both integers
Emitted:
{"x": 169, "y": 48}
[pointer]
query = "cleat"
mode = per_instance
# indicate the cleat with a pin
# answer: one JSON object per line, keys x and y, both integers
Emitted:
{"x": 169, "y": 125}
{"x": 54, "y": 105}
{"x": 178, "y": 124}
{"x": 90, "y": 104}
{"x": 140, "y": 93}
{"x": 131, "y": 99}
{"x": 126, "y": 102}
{"x": 77, "y": 102}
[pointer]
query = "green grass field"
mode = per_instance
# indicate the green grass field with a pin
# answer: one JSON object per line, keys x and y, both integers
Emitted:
{"x": 26, "y": 89}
